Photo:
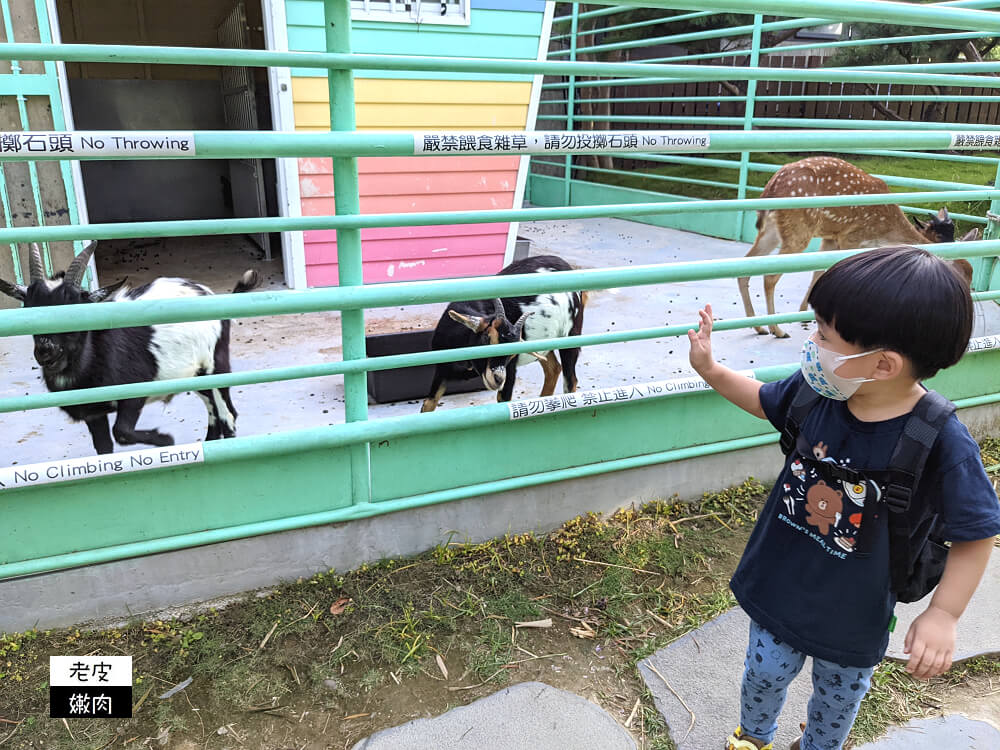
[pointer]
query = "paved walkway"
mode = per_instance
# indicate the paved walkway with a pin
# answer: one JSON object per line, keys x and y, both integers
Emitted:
{"x": 703, "y": 670}
{"x": 527, "y": 716}
{"x": 695, "y": 685}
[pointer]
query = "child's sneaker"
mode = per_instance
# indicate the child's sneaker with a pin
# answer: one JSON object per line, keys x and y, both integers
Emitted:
{"x": 796, "y": 744}
{"x": 740, "y": 741}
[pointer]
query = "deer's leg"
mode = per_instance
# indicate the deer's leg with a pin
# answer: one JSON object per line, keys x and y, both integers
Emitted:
{"x": 768, "y": 239}
{"x": 790, "y": 245}
{"x": 825, "y": 246}
{"x": 552, "y": 369}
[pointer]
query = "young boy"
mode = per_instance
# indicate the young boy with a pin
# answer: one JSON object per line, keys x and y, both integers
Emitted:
{"x": 887, "y": 319}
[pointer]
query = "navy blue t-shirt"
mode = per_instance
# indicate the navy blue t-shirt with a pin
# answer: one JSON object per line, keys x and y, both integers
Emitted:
{"x": 799, "y": 577}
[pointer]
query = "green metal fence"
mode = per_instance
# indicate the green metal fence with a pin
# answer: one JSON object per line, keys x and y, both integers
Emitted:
{"x": 265, "y": 483}
{"x": 572, "y": 182}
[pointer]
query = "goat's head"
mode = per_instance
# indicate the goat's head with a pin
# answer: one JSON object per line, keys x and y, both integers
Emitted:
{"x": 939, "y": 229}
{"x": 56, "y": 352}
{"x": 494, "y": 329}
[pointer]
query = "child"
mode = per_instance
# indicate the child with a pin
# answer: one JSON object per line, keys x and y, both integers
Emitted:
{"x": 887, "y": 319}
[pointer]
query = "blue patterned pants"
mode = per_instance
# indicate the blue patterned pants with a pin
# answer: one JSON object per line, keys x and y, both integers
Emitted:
{"x": 770, "y": 667}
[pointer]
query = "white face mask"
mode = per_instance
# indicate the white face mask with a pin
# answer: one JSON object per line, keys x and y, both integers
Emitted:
{"x": 818, "y": 368}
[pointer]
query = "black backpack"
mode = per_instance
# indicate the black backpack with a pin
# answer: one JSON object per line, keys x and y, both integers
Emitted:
{"x": 917, "y": 551}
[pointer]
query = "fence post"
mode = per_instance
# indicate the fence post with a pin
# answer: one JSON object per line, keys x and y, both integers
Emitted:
{"x": 349, "y": 261}
{"x": 748, "y": 112}
{"x": 570, "y": 103}
{"x": 986, "y": 265}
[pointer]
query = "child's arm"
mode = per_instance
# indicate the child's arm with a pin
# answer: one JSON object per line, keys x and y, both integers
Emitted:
{"x": 930, "y": 641}
{"x": 741, "y": 390}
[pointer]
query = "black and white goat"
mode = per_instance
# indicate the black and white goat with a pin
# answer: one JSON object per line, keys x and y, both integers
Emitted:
{"x": 88, "y": 359}
{"x": 481, "y": 322}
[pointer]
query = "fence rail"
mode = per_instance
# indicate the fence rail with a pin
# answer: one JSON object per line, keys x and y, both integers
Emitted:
{"x": 819, "y": 96}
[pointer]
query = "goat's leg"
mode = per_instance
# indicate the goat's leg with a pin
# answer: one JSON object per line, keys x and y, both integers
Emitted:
{"x": 552, "y": 370}
{"x": 124, "y": 429}
{"x": 569, "y": 358}
{"x": 100, "y": 433}
{"x": 230, "y": 430}
{"x": 507, "y": 392}
{"x": 221, "y": 414}
{"x": 436, "y": 392}
{"x": 768, "y": 239}
{"x": 217, "y": 400}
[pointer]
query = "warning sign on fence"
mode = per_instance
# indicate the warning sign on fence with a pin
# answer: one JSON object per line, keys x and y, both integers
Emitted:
{"x": 975, "y": 140}
{"x": 533, "y": 407}
{"x": 67, "y": 469}
{"x": 542, "y": 142}
{"x": 97, "y": 143}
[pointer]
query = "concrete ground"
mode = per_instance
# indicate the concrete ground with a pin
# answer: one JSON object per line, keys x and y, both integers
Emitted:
{"x": 527, "y": 716}
{"x": 259, "y": 343}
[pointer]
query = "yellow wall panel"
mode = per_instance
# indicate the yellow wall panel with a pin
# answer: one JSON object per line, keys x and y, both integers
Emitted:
{"x": 389, "y": 104}
{"x": 439, "y": 116}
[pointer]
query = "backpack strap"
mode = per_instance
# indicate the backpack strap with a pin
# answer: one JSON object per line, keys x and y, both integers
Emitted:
{"x": 805, "y": 399}
{"x": 905, "y": 468}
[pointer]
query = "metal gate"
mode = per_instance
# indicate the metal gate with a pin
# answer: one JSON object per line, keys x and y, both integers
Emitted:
{"x": 273, "y": 482}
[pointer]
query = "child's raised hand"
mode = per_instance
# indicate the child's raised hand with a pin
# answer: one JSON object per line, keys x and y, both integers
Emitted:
{"x": 701, "y": 342}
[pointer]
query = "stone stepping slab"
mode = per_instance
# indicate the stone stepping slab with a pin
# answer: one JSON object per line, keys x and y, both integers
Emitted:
{"x": 527, "y": 716}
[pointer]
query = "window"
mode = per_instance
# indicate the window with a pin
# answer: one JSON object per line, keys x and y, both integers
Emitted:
{"x": 453, "y": 12}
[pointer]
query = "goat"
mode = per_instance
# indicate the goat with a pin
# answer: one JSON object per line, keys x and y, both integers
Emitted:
{"x": 841, "y": 227}
{"x": 90, "y": 359}
{"x": 481, "y": 322}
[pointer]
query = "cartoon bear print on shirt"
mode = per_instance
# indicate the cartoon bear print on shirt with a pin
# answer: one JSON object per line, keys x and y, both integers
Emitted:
{"x": 824, "y": 506}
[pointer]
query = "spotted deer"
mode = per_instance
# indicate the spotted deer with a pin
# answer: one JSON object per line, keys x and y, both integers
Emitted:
{"x": 840, "y": 228}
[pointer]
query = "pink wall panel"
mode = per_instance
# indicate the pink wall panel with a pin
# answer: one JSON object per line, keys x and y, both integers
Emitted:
{"x": 418, "y": 164}
{"x": 425, "y": 268}
{"x": 390, "y": 204}
{"x": 406, "y": 185}
{"x": 321, "y": 247}
{"x": 410, "y": 183}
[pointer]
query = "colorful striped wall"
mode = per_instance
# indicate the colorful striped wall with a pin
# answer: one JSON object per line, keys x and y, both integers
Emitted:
{"x": 399, "y": 101}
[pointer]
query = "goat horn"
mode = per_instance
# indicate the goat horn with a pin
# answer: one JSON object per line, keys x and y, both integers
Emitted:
{"x": 520, "y": 324}
{"x": 36, "y": 267}
{"x": 74, "y": 274}
{"x": 498, "y": 311}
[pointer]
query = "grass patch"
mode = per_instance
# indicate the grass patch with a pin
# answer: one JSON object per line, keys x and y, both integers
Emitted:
{"x": 338, "y": 656}
{"x": 341, "y": 643}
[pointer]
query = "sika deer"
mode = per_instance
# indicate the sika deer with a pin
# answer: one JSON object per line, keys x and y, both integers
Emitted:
{"x": 841, "y": 228}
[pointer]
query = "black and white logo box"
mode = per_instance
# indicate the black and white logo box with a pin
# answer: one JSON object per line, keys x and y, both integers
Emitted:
{"x": 90, "y": 687}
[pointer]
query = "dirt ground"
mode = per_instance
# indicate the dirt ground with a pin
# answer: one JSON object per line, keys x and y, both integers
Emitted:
{"x": 322, "y": 663}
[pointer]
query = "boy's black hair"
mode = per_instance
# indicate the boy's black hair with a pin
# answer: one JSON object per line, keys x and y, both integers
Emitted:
{"x": 899, "y": 298}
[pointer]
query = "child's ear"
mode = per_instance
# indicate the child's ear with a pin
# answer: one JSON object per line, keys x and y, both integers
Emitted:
{"x": 890, "y": 364}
